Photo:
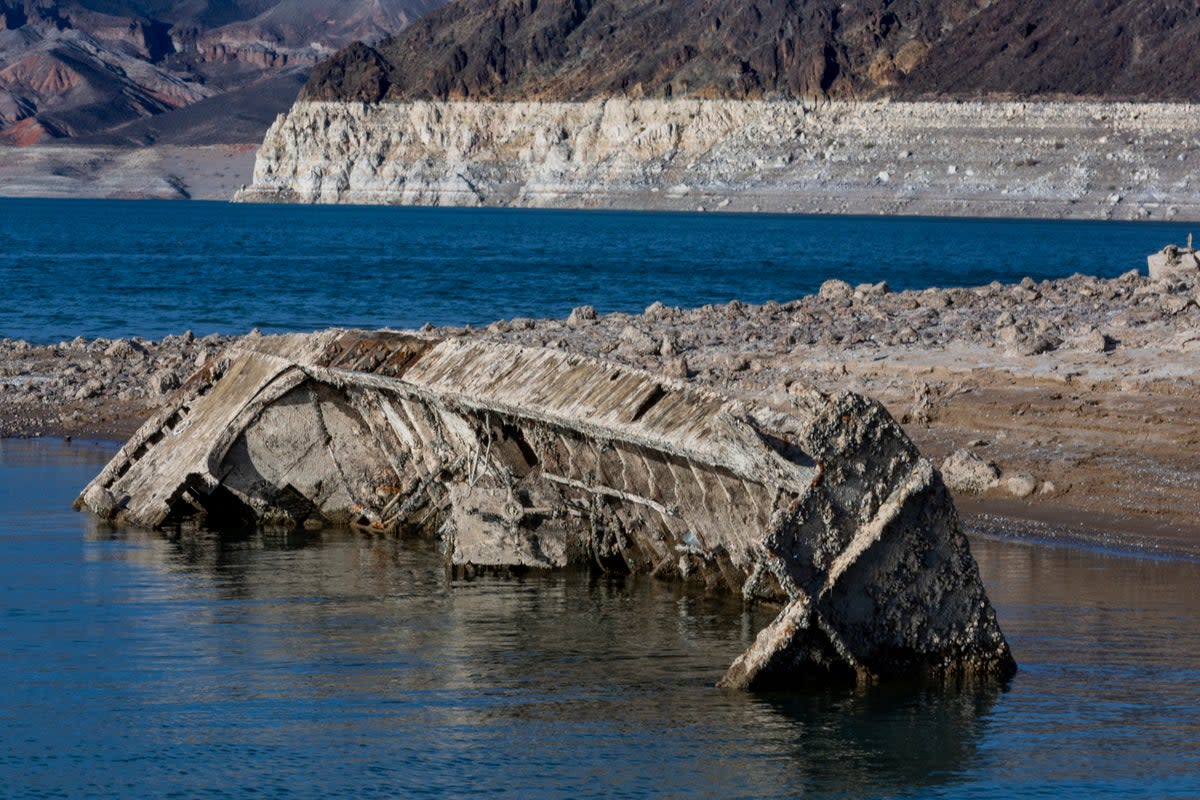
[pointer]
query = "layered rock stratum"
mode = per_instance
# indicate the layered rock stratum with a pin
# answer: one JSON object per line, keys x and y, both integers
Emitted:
{"x": 1044, "y": 159}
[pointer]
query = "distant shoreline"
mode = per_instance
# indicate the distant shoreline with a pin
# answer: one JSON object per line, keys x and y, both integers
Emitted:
{"x": 1026, "y": 160}
{"x": 158, "y": 172}
{"x": 1083, "y": 392}
{"x": 993, "y": 159}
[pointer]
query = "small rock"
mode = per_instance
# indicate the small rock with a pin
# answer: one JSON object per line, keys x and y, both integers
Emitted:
{"x": 1009, "y": 336}
{"x": 964, "y": 471}
{"x": 641, "y": 343}
{"x": 836, "y": 290}
{"x": 934, "y": 298}
{"x": 1095, "y": 342}
{"x": 735, "y": 363}
{"x": 1174, "y": 304}
{"x": 1020, "y": 484}
{"x": 677, "y": 368}
{"x": 872, "y": 290}
{"x": 164, "y": 381}
{"x": 657, "y": 311}
{"x": 581, "y": 315}
{"x": 1035, "y": 345}
{"x": 124, "y": 348}
{"x": 521, "y": 324}
{"x": 92, "y": 388}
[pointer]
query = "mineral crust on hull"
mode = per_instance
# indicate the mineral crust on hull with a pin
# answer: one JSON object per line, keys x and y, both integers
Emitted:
{"x": 520, "y": 457}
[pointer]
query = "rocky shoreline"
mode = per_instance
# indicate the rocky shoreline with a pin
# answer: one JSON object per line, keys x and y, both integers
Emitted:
{"x": 1065, "y": 409}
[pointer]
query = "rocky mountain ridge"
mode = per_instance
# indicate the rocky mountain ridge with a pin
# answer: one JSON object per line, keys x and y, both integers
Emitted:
{"x": 79, "y": 68}
{"x": 520, "y": 50}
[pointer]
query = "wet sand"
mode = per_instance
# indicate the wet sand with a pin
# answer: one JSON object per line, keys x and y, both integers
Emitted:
{"x": 1081, "y": 392}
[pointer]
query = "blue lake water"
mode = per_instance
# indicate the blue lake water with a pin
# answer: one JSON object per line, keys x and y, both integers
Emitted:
{"x": 332, "y": 664}
{"x": 126, "y": 268}
{"x": 329, "y": 664}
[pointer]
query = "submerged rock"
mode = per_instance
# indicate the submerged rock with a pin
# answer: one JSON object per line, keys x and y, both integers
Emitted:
{"x": 518, "y": 457}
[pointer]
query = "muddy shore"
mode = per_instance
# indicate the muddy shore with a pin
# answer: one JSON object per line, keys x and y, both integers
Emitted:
{"x": 1070, "y": 407}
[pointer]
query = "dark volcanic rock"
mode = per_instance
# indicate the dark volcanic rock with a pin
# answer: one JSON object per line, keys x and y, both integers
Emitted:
{"x": 359, "y": 73}
{"x": 577, "y": 49}
{"x": 1118, "y": 49}
{"x": 583, "y": 49}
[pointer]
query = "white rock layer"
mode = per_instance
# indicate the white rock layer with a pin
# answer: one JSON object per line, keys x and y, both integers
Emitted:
{"x": 1080, "y": 160}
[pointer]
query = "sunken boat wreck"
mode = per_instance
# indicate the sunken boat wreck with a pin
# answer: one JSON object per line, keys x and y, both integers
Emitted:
{"x": 515, "y": 457}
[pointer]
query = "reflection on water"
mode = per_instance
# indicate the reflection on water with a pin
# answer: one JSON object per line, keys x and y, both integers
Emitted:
{"x": 330, "y": 663}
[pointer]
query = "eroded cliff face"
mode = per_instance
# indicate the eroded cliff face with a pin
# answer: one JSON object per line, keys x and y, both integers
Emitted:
{"x": 1082, "y": 160}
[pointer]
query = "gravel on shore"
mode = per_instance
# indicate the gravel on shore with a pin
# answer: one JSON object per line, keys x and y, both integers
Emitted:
{"x": 1068, "y": 408}
{"x": 99, "y": 388}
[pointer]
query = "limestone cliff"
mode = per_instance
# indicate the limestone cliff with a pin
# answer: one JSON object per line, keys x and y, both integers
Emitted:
{"x": 1082, "y": 160}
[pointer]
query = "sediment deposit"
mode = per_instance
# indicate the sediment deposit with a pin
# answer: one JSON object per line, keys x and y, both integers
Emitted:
{"x": 1044, "y": 159}
{"x": 525, "y": 457}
